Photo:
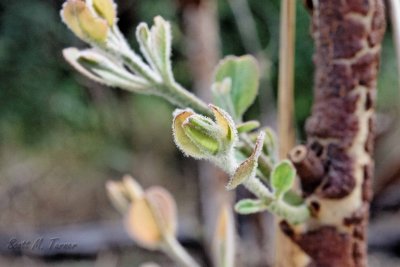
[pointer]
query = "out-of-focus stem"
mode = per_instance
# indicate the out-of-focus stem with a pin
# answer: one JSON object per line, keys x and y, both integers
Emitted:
{"x": 286, "y": 73}
{"x": 175, "y": 250}
{"x": 287, "y": 254}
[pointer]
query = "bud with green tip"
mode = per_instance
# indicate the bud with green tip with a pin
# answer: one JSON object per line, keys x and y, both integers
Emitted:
{"x": 201, "y": 137}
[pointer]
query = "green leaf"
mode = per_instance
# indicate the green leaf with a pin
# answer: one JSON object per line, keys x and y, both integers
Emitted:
{"x": 247, "y": 169}
{"x": 247, "y": 126}
{"x": 249, "y": 206}
{"x": 221, "y": 93}
{"x": 161, "y": 44}
{"x": 244, "y": 75}
{"x": 104, "y": 70}
{"x": 270, "y": 144}
{"x": 282, "y": 177}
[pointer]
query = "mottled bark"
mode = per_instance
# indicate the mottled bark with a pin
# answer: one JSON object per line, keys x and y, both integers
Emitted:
{"x": 340, "y": 131}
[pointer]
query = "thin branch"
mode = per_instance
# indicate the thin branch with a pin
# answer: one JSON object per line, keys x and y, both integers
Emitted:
{"x": 287, "y": 254}
{"x": 286, "y": 73}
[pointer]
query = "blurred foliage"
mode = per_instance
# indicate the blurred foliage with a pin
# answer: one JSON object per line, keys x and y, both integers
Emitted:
{"x": 43, "y": 101}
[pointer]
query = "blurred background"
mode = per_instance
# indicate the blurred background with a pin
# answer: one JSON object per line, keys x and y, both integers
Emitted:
{"x": 62, "y": 136}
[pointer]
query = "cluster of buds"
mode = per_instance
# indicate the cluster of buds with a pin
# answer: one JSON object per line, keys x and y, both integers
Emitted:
{"x": 150, "y": 215}
{"x": 110, "y": 60}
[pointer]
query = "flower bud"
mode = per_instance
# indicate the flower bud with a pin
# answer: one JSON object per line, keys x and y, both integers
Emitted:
{"x": 201, "y": 137}
{"x": 141, "y": 224}
{"x": 152, "y": 218}
{"x": 83, "y": 22}
{"x": 116, "y": 193}
{"x": 183, "y": 142}
{"x": 132, "y": 188}
{"x": 203, "y": 133}
{"x": 106, "y": 10}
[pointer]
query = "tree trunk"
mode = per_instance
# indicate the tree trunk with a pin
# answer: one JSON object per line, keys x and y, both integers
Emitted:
{"x": 336, "y": 166}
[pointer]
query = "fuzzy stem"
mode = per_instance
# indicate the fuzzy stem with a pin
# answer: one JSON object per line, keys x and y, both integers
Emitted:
{"x": 181, "y": 97}
{"x": 175, "y": 250}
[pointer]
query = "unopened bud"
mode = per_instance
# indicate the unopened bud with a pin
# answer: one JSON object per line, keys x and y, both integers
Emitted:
{"x": 106, "y": 9}
{"x": 83, "y": 22}
{"x": 201, "y": 137}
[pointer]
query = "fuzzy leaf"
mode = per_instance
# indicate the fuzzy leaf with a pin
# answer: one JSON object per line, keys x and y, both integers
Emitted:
{"x": 221, "y": 92}
{"x": 161, "y": 39}
{"x": 249, "y": 206}
{"x": 83, "y": 23}
{"x": 247, "y": 126}
{"x": 106, "y": 9}
{"x": 100, "y": 68}
{"x": 248, "y": 168}
{"x": 282, "y": 177}
{"x": 244, "y": 74}
{"x": 271, "y": 143}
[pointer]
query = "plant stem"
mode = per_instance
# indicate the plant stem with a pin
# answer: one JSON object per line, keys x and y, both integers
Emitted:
{"x": 175, "y": 250}
{"x": 286, "y": 72}
{"x": 286, "y": 252}
{"x": 181, "y": 97}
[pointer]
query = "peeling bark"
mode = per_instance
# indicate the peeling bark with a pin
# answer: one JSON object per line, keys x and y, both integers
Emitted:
{"x": 340, "y": 131}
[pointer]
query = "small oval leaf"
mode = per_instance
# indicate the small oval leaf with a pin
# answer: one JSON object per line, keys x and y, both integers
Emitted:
{"x": 282, "y": 177}
{"x": 249, "y": 206}
{"x": 244, "y": 75}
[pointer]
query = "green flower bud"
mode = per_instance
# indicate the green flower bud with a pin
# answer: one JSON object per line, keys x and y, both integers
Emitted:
{"x": 201, "y": 137}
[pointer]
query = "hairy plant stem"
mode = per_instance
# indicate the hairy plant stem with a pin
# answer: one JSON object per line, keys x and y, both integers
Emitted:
{"x": 181, "y": 97}
{"x": 175, "y": 250}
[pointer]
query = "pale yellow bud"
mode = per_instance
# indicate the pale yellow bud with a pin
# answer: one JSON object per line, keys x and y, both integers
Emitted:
{"x": 141, "y": 225}
{"x": 83, "y": 22}
{"x": 106, "y": 10}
